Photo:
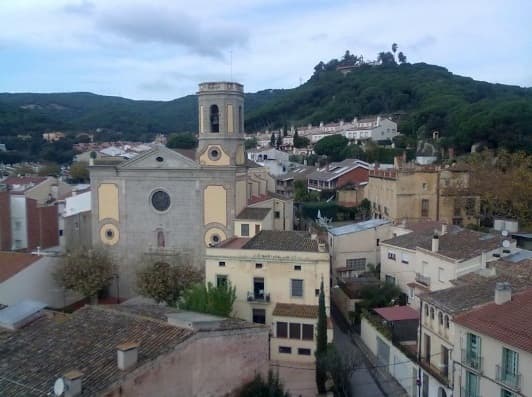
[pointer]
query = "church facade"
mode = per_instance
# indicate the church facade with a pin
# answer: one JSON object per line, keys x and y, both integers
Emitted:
{"x": 163, "y": 204}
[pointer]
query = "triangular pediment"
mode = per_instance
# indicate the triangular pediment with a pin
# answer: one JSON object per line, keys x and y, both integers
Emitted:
{"x": 159, "y": 158}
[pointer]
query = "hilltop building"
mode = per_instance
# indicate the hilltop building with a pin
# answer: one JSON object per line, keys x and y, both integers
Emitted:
{"x": 163, "y": 203}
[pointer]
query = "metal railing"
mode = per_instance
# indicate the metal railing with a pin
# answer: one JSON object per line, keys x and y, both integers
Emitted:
{"x": 473, "y": 361}
{"x": 510, "y": 379}
{"x": 421, "y": 279}
{"x": 260, "y": 297}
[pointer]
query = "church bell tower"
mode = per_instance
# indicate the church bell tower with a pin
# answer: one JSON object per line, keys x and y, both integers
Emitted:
{"x": 221, "y": 124}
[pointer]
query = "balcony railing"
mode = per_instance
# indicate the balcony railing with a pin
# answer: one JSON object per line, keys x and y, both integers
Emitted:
{"x": 421, "y": 279}
{"x": 441, "y": 373}
{"x": 473, "y": 361}
{"x": 258, "y": 297}
{"x": 469, "y": 393}
{"x": 510, "y": 379}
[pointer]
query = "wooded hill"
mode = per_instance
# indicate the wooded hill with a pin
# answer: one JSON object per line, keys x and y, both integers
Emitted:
{"x": 424, "y": 97}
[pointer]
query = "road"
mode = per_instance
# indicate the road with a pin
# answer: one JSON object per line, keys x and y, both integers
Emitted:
{"x": 362, "y": 382}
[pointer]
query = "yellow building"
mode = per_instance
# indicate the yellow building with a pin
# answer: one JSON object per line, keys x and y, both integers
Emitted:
{"x": 423, "y": 192}
{"x": 277, "y": 275}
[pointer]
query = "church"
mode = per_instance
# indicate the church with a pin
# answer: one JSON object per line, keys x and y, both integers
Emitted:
{"x": 164, "y": 205}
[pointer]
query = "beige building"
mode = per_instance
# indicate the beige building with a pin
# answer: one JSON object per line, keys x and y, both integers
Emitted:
{"x": 277, "y": 276}
{"x": 422, "y": 192}
{"x": 355, "y": 246}
{"x": 428, "y": 260}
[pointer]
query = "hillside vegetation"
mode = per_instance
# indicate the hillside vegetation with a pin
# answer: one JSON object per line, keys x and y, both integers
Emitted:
{"x": 425, "y": 97}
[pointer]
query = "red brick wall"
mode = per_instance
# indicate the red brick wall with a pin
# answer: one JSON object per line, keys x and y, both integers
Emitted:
{"x": 43, "y": 227}
{"x": 5, "y": 221}
{"x": 358, "y": 175}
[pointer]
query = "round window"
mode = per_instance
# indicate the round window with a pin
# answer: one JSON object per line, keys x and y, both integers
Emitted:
{"x": 109, "y": 234}
{"x": 159, "y": 159}
{"x": 214, "y": 154}
{"x": 160, "y": 200}
{"x": 215, "y": 238}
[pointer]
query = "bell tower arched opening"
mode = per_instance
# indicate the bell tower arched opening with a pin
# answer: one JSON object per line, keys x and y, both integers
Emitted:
{"x": 215, "y": 118}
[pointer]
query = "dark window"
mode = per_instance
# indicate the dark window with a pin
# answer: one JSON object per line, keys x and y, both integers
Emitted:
{"x": 276, "y": 214}
{"x": 446, "y": 321}
{"x": 160, "y": 200}
{"x": 282, "y": 329}
{"x": 308, "y": 332}
{"x": 285, "y": 350}
{"x": 160, "y": 239}
{"x": 221, "y": 280}
{"x": 244, "y": 229}
{"x": 60, "y": 232}
{"x": 109, "y": 234}
{"x": 440, "y": 318}
{"x": 391, "y": 255}
{"x": 432, "y": 313}
{"x": 258, "y": 287}
{"x": 159, "y": 159}
{"x": 259, "y": 316}
{"x": 297, "y": 267}
{"x": 258, "y": 265}
{"x": 303, "y": 352}
{"x": 221, "y": 264}
{"x": 379, "y": 240}
{"x": 470, "y": 206}
{"x": 257, "y": 229}
{"x": 296, "y": 288}
{"x": 317, "y": 292}
{"x": 215, "y": 119}
{"x": 426, "y": 310}
{"x": 295, "y": 331}
{"x": 425, "y": 207}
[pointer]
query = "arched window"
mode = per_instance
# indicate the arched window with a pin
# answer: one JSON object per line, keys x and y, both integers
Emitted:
{"x": 160, "y": 239}
{"x": 215, "y": 119}
{"x": 426, "y": 310}
{"x": 441, "y": 392}
{"x": 440, "y": 318}
{"x": 432, "y": 313}
{"x": 447, "y": 321}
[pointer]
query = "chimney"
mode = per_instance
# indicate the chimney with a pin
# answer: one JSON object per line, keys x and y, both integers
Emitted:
{"x": 313, "y": 236}
{"x": 483, "y": 260}
{"x": 127, "y": 355}
{"x": 503, "y": 293}
{"x": 444, "y": 229}
{"x": 72, "y": 380}
{"x": 435, "y": 243}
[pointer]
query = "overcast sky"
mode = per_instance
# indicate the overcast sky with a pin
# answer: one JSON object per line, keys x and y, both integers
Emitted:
{"x": 161, "y": 49}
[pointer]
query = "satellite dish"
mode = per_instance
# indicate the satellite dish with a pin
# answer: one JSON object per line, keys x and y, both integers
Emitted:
{"x": 505, "y": 243}
{"x": 59, "y": 387}
{"x": 504, "y": 233}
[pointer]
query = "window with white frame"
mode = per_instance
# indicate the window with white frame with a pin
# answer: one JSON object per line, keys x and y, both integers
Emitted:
{"x": 391, "y": 255}
{"x": 405, "y": 258}
{"x": 356, "y": 264}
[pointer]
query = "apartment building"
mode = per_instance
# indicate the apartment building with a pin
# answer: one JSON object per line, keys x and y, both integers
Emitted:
{"x": 337, "y": 175}
{"x": 496, "y": 346}
{"x": 428, "y": 260}
{"x": 422, "y": 192}
{"x": 277, "y": 275}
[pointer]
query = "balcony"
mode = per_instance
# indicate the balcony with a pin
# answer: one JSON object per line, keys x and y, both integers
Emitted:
{"x": 421, "y": 279}
{"x": 440, "y": 373}
{"x": 512, "y": 380}
{"x": 473, "y": 361}
{"x": 469, "y": 393}
{"x": 258, "y": 297}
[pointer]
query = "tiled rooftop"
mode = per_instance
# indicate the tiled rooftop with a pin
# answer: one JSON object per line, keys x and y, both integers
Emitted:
{"x": 253, "y": 213}
{"x": 293, "y": 310}
{"x": 282, "y": 241}
{"x": 38, "y": 354}
{"x": 397, "y": 313}
{"x": 358, "y": 227}
{"x": 510, "y": 323}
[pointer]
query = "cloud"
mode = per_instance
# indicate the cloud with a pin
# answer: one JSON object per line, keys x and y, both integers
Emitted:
{"x": 170, "y": 26}
{"x": 85, "y": 7}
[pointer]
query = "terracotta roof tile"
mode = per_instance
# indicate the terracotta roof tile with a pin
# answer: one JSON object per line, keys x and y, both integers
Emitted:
{"x": 13, "y": 262}
{"x": 253, "y": 213}
{"x": 510, "y": 323}
{"x": 293, "y": 310}
{"x": 282, "y": 241}
{"x": 397, "y": 313}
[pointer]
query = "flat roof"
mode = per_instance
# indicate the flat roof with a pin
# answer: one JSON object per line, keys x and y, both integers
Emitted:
{"x": 358, "y": 227}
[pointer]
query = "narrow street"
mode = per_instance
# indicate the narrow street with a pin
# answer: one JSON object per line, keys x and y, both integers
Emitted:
{"x": 362, "y": 383}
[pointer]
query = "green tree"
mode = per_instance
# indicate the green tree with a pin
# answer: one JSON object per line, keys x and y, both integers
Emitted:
{"x": 259, "y": 387}
{"x": 401, "y": 57}
{"x": 321, "y": 343}
{"x": 340, "y": 367}
{"x": 182, "y": 141}
{"x": 251, "y": 143}
{"x": 217, "y": 300}
{"x": 79, "y": 172}
{"x": 332, "y": 146}
{"x": 301, "y": 141}
{"x": 166, "y": 282}
{"x": 50, "y": 169}
{"x": 85, "y": 271}
{"x": 272, "y": 140}
{"x": 394, "y": 47}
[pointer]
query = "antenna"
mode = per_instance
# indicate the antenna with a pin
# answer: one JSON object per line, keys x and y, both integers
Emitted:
{"x": 506, "y": 244}
{"x": 59, "y": 387}
{"x": 231, "y": 65}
